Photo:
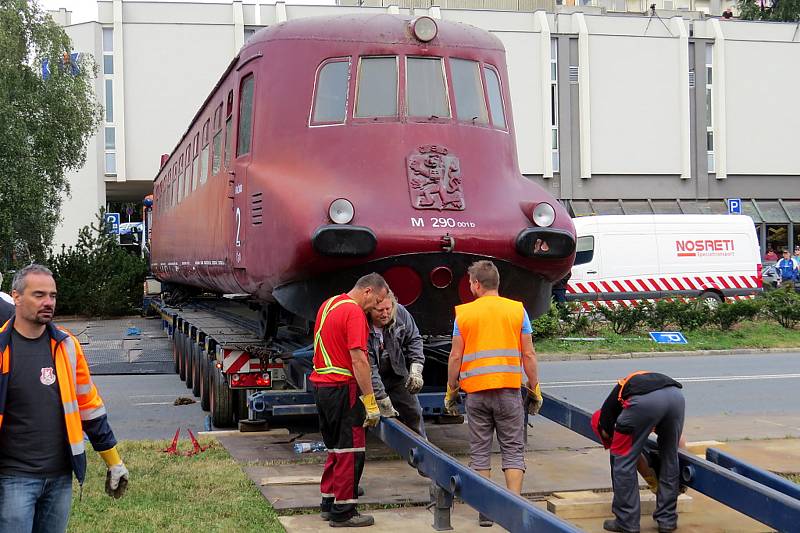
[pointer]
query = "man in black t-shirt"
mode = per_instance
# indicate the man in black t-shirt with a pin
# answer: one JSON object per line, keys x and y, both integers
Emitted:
{"x": 47, "y": 403}
{"x": 640, "y": 403}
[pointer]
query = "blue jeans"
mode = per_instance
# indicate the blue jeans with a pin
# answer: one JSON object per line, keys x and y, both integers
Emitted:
{"x": 35, "y": 505}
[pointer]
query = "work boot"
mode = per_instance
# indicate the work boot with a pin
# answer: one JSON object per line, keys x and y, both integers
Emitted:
{"x": 612, "y": 525}
{"x": 484, "y": 521}
{"x": 357, "y": 520}
{"x": 666, "y": 529}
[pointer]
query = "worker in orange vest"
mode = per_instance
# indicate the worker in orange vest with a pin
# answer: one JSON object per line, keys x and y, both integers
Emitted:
{"x": 492, "y": 345}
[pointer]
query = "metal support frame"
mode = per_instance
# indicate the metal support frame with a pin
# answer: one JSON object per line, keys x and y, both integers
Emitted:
{"x": 507, "y": 509}
{"x": 749, "y": 471}
{"x": 737, "y": 491}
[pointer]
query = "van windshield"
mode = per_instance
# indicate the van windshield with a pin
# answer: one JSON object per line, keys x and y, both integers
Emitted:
{"x": 584, "y": 250}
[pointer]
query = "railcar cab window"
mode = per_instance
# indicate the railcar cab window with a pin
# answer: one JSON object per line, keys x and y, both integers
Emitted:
{"x": 468, "y": 91}
{"x": 426, "y": 90}
{"x": 495, "y": 97}
{"x": 330, "y": 93}
{"x": 376, "y": 95}
{"x": 245, "y": 135}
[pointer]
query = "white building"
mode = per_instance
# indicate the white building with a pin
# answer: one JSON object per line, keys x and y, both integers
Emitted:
{"x": 614, "y": 113}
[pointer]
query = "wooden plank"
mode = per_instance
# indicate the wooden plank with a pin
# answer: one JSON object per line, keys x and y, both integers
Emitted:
{"x": 598, "y": 507}
{"x": 579, "y": 495}
{"x": 699, "y": 447}
{"x": 291, "y": 480}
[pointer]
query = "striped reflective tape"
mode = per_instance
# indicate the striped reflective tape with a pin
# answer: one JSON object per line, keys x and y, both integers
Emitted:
{"x": 493, "y": 369}
{"x": 664, "y": 283}
{"x": 239, "y": 362}
{"x": 484, "y": 354}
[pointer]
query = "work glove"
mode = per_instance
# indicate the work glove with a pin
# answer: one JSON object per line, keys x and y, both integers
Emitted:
{"x": 414, "y": 382}
{"x": 373, "y": 412}
{"x": 117, "y": 474}
{"x": 386, "y": 408}
{"x": 451, "y": 400}
{"x": 533, "y": 399}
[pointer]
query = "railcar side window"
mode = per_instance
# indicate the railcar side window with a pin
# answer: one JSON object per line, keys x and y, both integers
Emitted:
{"x": 204, "y": 154}
{"x": 468, "y": 91}
{"x": 495, "y": 97}
{"x": 228, "y": 130}
{"x": 584, "y": 250}
{"x": 330, "y": 100}
{"x": 192, "y": 184}
{"x": 377, "y": 87}
{"x": 175, "y": 192}
{"x": 245, "y": 116}
{"x": 426, "y": 91}
{"x": 216, "y": 157}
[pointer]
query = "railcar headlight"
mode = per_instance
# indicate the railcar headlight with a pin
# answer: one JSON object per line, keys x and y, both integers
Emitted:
{"x": 424, "y": 29}
{"x": 544, "y": 215}
{"x": 341, "y": 211}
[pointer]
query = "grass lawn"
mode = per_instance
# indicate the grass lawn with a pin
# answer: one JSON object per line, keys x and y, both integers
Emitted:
{"x": 208, "y": 492}
{"x": 746, "y": 335}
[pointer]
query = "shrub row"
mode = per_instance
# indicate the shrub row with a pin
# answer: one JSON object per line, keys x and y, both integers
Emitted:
{"x": 782, "y": 306}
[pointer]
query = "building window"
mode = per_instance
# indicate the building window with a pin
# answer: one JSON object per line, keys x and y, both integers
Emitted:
{"x": 110, "y": 139}
{"x": 108, "y": 76}
{"x": 245, "y": 134}
{"x": 109, "y": 101}
{"x": 710, "y": 107}
{"x": 111, "y": 163}
{"x": 554, "y": 103}
{"x": 108, "y": 64}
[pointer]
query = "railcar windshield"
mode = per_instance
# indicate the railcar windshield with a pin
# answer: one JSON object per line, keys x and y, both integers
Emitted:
{"x": 426, "y": 90}
{"x": 330, "y": 104}
{"x": 468, "y": 91}
{"x": 495, "y": 97}
{"x": 377, "y": 87}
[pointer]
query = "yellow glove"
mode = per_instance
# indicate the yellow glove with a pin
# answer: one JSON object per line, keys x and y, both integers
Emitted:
{"x": 117, "y": 474}
{"x": 534, "y": 400}
{"x": 373, "y": 412}
{"x": 451, "y": 400}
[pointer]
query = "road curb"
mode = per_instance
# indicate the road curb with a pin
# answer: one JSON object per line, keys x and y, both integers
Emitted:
{"x": 647, "y": 355}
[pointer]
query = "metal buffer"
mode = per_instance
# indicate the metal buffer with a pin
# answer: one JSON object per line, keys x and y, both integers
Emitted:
{"x": 743, "y": 487}
{"x": 453, "y": 479}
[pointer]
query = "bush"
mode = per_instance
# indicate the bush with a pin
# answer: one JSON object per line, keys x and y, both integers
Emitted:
{"x": 622, "y": 319}
{"x": 547, "y": 325}
{"x": 97, "y": 277}
{"x": 692, "y": 315}
{"x": 726, "y": 315}
{"x": 574, "y": 318}
{"x": 661, "y": 314}
{"x": 782, "y": 306}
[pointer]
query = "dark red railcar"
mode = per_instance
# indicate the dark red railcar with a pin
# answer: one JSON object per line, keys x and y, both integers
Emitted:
{"x": 337, "y": 146}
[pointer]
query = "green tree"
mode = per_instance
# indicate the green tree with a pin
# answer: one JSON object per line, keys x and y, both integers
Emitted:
{"x": 776, "y": 10}
{"x": 45, "y": 125}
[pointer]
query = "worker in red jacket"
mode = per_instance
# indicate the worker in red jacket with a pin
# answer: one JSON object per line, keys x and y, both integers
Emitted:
{"x": 639, "y": 404}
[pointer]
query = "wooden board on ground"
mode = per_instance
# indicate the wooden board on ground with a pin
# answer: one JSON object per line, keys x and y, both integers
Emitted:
{"x": 699, "y": 447}
{"x": 598, "y": 505}
{"x": 291, "y": 480}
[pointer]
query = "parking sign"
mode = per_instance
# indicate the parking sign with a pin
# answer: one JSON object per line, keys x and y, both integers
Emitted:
{"x": 112, "y": 223}
{"x": 668, "y": 337}
{"x": 734, "y": 206}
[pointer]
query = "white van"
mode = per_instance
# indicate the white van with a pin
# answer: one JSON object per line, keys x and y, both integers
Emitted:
{"x": 624, "y": 258}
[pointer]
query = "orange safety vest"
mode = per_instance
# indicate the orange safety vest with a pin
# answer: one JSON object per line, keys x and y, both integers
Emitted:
{"x": 490, "y": 327}
{"x": 624, "y": 381}
{"x": 80, "y": 400}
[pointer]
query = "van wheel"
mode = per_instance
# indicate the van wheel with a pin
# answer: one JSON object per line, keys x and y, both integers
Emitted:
{"x": 711, "y": 299}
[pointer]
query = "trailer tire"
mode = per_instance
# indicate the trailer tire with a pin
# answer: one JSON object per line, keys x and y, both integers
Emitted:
{"x": 242, "y": 412}
{"x": 175, "y": 365}
{"x": 181, "y": 345}
{"x": 205, "y": 366}
{"x": 222, "y": 401}
{"x": 197, "y": 353}
{"x": 188, "y": 358}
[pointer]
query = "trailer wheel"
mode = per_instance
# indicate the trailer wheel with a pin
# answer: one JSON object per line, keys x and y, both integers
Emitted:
{"x": 197, "y": 353}
{"x": 188, "y": 358}
{"x": 205, "y": 365}
{"x": 222, "y": 401}
{"x": 242, "y": 412}
{"x": 181, "y": 346}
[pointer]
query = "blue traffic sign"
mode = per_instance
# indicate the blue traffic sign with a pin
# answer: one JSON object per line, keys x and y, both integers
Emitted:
{"x": 668, "y": 337}
{"x": 112, "y": 223}
{"x": 734, "y": 206}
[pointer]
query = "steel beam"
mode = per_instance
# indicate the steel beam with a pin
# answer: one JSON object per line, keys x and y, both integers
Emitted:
{"x": 751, "y": 472}
{"x": 505, "y": 508}
{"x": 760, "y": 502}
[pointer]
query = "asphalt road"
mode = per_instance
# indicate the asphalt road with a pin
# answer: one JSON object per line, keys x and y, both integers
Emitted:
{"x": 747, "y": 385}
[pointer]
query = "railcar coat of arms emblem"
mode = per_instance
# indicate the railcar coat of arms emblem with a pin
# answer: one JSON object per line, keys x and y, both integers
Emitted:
{"x": 434, "y": 179}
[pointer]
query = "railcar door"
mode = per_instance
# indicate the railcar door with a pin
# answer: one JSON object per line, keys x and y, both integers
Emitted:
{"x": 246, "y": 107}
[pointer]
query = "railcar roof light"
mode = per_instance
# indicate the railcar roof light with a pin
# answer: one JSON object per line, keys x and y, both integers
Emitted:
{"x": 424, "y": 29}
{"x": 341, "y": 211}
{"x": 544, "y": 215}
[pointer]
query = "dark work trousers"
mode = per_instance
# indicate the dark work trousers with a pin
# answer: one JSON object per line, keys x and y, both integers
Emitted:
{"x": 663, "y": 410}
{"x": 341, "y": 415}
{"x": 406, "y": 404}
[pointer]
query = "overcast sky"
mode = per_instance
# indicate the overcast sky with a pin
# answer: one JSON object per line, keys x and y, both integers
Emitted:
{"x": 83, "y": 10}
